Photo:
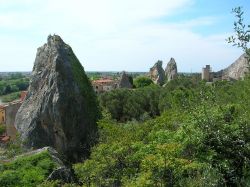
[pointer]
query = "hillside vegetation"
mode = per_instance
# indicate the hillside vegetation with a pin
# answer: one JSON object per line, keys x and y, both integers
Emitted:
{"x": 11, "y": 85}
{"x": 187, "y": 133}
{"x": 27, "y": 170}
{"x": 200, "y": 138}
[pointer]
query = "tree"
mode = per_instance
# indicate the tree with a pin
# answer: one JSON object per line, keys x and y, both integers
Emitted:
{"x": 142, "y": 81}
{"x": 7, "y": 89}
{"x": 130, "y": 78}
{"x": 242, "y": 34}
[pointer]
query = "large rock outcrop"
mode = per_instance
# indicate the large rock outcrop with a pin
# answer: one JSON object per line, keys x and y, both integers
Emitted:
{"x": 60, "y": 109}
{"x": 124, "y": 81}
{"x": 171, "y": 70}
{"x": 157, "y": 73}
{"x": 235, "y": 71}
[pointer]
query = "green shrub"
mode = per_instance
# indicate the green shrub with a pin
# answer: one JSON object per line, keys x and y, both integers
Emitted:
{"x": 142, "y": 81}
{"x": 27, "y": 170}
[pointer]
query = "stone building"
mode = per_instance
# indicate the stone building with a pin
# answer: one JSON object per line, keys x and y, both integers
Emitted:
{"x": 207, "y": 74}
{"x": 103, "y": 85}
{"x": 236, "y": 71}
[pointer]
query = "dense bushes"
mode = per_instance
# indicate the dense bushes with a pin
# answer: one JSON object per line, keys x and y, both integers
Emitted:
{"x": 126, "y": 105}
{"x": 142, "y": 81}
{"x": 188, "y": 134}
{"x": 142, "y": 103}
{"x": 184, "y": 134}
{"x": 27, "y": 171}
{"x": 149, "y": 154}
{"x": 201, "y": 138}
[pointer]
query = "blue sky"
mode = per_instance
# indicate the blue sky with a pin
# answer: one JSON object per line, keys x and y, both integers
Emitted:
{"x": 116, "y": 35}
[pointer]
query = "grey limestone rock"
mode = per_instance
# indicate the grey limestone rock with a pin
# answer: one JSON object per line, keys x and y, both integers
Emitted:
{"x": 60, "y": 109}
{"x": 237, "y": 70}
{"x": 124, "y": 81}
{"x": 157, "y": 73}
{"x": 171, "y": 70}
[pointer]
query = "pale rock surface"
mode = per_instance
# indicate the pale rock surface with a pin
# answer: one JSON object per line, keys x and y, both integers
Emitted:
{"x": 171, "y": 70}
{"x": 157, "y": 73}
{"x": 237, "y": 70}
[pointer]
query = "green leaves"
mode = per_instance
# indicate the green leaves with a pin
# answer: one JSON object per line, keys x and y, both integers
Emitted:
{"x": 200, "y": 139}
{"x": 241, "y": 37}
{"x": 26, "y": 171}
{"x": 142, "y": 81}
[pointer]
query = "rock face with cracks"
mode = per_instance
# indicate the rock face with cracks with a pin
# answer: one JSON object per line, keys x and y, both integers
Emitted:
{"x": 157, "y": 73}
{"x": 60, "y": 109}
{"x": 171, "y": 70}
{"x": 237, "y": 70}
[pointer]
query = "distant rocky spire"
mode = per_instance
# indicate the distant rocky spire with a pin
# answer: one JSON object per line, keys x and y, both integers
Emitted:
{"x": 124, "y": 81}
{"x": 171, "y": 70}
{"x": 157, "y": 74}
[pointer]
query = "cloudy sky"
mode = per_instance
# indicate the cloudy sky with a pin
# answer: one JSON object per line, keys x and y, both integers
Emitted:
{"x": 116, "y": 35}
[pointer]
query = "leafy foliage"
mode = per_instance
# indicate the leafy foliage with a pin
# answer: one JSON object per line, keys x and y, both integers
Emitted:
{"x": 142, "y": 81}
{"x": 10, "y": 97}
{"x": 142, "y": 103}
{"x": 13, "y": 83}
{"x": 242, "y": 34}
{"x": 126, "y": 105}
{"x": 201, "y": 138}
{"x": 26, "y": 170}
{"x": 184, "y": 134}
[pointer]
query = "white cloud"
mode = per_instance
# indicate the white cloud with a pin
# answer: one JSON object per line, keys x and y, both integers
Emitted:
{"x": 109, "y": 34}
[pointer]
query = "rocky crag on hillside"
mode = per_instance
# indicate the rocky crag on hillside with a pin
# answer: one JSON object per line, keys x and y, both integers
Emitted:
{"x": 171, "y": 70}
{"x": 60, "y": 109}
{"x": 158, "y": 75}
{"x": 236, "y": 70}
{"x": 124, "y": 81}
